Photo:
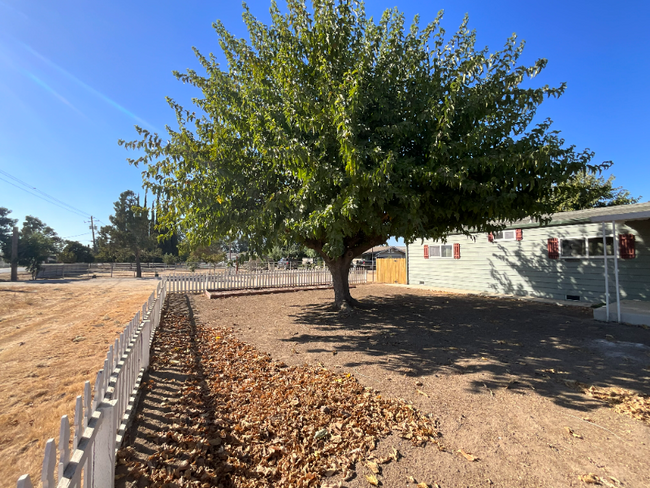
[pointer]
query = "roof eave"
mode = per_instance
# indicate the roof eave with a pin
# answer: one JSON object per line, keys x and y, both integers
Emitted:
{"x": 622, "y": 217}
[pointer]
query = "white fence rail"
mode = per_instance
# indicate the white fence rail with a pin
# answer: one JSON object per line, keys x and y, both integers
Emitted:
{"x": 71, "y": 270}
{"x": 231, "y": 280}
{"x": 100, "y": 422}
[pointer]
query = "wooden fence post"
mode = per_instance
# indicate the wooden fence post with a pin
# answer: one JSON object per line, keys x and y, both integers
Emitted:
{"x": 104, "y": 448}
{"x": 49, "y": 464}
{"x": 24, "y": 482}
{"x": 64, "y": 445}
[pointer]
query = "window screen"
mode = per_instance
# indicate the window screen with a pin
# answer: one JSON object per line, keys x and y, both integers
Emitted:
{"x": 573, "y": 248}
{"x": 434, "y": 251}
{"x": 504, "y": 235}
{"x": 447, "y": 251}
{"x": 596, "y": 246}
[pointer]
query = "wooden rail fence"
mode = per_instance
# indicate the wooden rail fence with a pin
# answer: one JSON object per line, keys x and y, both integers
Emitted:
{"x": 230, "y": 280}
{"x": 101, "y": 420}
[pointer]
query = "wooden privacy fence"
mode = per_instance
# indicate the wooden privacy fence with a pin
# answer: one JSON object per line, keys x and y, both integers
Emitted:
{"x": 230, "y": 280}
{"x": 391, "y": 270}
{"x": 100, "y": 423}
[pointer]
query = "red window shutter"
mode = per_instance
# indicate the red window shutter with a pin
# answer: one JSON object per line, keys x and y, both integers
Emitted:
{"x": 520, "y": 235}
{"x": 491, "y": 237}
{"x": 553, "y": 248}
{"x": 426, "y": 252}
{"x": 626, "y": 246}
{"x": 456, "y": 251}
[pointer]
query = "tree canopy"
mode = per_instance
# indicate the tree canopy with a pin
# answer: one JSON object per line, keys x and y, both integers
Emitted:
{"x": 337, "y": 132}
{"x": 587, "y": 190}
{"x": 6, "y": 232}
{"x": 37, "y": 242}
{"x": 130, "y": 232}
{"x": 75, "y": 252}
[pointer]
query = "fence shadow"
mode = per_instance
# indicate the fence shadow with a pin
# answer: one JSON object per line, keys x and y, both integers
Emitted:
{"x": 518, "y": 344}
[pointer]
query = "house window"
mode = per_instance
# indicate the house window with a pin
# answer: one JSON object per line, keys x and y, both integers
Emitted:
{"x": 595, "y": 246}
{"x": 441, "y": 251}
{"x": 585, "y": 247}
{"x": 573, "y": 248}
{"x": 505, "y": 235}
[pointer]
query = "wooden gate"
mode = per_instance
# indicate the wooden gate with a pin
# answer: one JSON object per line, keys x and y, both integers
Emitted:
{"x": 391, "y": 270}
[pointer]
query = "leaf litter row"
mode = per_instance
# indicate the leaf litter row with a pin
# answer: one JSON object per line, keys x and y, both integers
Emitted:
{"x": 242, "y": 419}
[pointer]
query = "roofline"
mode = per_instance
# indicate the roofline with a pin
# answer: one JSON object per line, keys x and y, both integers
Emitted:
{"x": 552, "y": 223}
{"x": 624, "y": 216}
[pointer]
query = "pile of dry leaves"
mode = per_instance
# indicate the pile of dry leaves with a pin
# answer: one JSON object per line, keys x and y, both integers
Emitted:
{"x": 621, "y": 400}
{"x": 245, "y": 420}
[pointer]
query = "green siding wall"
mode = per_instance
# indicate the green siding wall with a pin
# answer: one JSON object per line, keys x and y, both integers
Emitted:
{"x": 523, "y": 267}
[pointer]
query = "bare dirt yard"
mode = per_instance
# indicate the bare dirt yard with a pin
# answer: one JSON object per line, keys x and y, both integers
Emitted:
{"x": 422, "y": 389}
{"x": 54, "y": 336}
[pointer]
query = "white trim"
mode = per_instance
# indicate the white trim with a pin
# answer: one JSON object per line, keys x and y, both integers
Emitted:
{"x": 618, "y": 289}
{"x": 606, "y": 271}
{"x": 623, "y": 216}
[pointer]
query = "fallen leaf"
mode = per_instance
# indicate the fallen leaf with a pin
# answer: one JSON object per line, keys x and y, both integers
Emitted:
{"x": 423, "y": 485}
{"x": 395, "y": 455}
{"x": 321, "y": 433}
{"x": 374, "y": 467}
{"x": 467, "y": 455}
{"x": 422, "y": 393}
{"x": 411, "y": 479}
{"x": 372, "y": 480}
{"x": 572, "y": 433}
{"x": 589, "y": 478}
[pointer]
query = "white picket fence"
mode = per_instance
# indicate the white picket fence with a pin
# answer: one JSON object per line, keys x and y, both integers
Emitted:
{"x": 231, "y": 280}
{"x": 100, "y": 423}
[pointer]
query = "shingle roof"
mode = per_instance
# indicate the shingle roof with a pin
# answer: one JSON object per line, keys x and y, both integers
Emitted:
{"x": 617, "y": 212}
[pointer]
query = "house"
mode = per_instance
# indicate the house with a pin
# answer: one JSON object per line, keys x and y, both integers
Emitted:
{"x": 599, "y": 255}
{"x": 379, "y": 252}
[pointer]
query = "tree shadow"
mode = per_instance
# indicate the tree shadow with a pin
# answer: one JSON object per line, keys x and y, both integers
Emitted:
{"x": 517, "y": 271}
{"x": 517, "y": 344}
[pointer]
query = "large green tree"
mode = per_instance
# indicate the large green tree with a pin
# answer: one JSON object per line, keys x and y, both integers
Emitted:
{"x": 129, "y": 233}
{"x": 36, "y": 243}
{"x": 75, "y": 252}
{"x": 6, "y": 232}
{"x": 332, "y": 130}
{"x": 589, "y": 190}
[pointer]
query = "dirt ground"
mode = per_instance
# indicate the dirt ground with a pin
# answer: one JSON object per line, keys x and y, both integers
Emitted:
{"x": 506, "y": 380}
{"x": 54, "y": 336}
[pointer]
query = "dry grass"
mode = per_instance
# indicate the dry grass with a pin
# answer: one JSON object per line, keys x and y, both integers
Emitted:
{"x": 42, "y": 368}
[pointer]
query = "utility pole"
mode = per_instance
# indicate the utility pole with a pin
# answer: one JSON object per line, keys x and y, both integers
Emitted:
{"x": 14, "y": 255}
{"x": 92, "y": 227}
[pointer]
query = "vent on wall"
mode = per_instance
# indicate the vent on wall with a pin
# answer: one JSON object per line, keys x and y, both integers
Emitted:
{"x": 573, "y": 297}
{"x": 422, "y": 282}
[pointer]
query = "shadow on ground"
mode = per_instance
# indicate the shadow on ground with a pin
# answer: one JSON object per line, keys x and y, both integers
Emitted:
{"x": 518, "y": 344}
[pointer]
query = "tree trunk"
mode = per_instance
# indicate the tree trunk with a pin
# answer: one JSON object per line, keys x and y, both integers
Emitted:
{"x": 138, "y": 268}
{"x": 340, "y": 268}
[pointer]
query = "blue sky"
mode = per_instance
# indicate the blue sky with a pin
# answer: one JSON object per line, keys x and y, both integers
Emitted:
{"x": 76, "y": 76}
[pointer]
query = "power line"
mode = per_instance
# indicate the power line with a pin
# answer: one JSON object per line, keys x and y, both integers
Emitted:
{"x": 43, "y": 196}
